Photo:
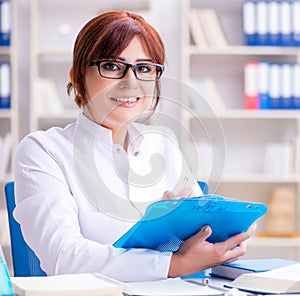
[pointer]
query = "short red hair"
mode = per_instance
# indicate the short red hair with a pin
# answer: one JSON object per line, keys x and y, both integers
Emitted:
{"x": 105, "y": 37}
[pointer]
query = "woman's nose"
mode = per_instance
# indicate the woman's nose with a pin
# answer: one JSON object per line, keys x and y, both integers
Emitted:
{"x": 130, "y": 73}
{"x": 129, "y": 79}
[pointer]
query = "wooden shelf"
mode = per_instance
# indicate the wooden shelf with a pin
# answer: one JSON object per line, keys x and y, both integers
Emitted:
{"x": 260, "y": 114}
{"x": 274, "y": 241}
{"x": 261, "y": 178}
{"x": 5, "y": 50}
{"x": 251, "y": 114}
{"x": 240, "y": 50}
{"x": 65, "y": 114}
{"x": 55, "y": 52}
{"x": 5, "y": 113}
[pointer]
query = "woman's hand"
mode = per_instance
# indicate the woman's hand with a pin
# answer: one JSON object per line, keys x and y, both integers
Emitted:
{"x": 184, "y": 193}
{"x": 197, "y": 254}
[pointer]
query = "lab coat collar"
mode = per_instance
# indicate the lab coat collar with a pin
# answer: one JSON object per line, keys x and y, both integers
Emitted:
{"x": 95, "y": 130}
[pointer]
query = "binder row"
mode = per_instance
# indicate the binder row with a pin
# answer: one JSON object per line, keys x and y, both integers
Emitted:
{"x": 271, "y": 22}
{"x": 5, "y": 22}
{"x": 271, "y": 85}
{"x": 5, "y": 85}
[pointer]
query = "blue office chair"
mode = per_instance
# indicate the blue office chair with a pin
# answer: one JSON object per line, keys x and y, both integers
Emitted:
{"x": 204, "y": 186}
{"x": 25, "y": 262}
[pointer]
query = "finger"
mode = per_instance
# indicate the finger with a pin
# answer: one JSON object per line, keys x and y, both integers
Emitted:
{"x": 243, "y": 245}
{"x": 235, "y": 253}
{"x": 238, "y": 238}
{"x": 253, "y": 227}
{"x": 168, "y": 195}
{"x": 185, "y": 192}
{"x": 204, "y": 233}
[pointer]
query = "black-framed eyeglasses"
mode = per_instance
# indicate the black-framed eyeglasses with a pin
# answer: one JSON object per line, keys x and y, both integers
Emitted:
{"x": 114, "y": 69}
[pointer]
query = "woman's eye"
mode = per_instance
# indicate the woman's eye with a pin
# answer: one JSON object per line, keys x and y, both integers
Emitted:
{"x": 111, "y": 66}
{"x": 144, "y": 68}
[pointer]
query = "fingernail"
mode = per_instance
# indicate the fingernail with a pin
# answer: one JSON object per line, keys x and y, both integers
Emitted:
{"x": 206, "y": 228}
{"x": 171, "y": 195}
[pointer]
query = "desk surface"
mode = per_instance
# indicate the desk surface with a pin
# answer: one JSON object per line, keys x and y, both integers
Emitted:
{"x": 176, "y": 286}
{"x": 217, "y": 283}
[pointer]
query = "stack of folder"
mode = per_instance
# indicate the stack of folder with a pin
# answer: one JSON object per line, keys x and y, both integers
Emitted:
{"x": 273, "y": 23}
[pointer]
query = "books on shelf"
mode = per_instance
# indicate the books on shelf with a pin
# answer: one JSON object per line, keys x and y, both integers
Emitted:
{"x": 5, "y": 22}
{"x": 249, "y": 22}
{"x": 271, "y": 85}
{"x": 263, "y": 85}
{"x": 250, "y": 85}
{"x": 206, "y": 28}
{"x": 280, "y": 220}
{"x": 296, "y": 85}
{"x": 277, "y": 281}
{"x": 272, "y": 23}
{"x": 67, "y": 284}
{"x": 278, "y": 160}
{"x": 46, "y": 92}
{"x": 234, "y": 269}
{"x": 197, "y": 30}
{"x": 212, "y": 94}
{"x": 5, "y": 85}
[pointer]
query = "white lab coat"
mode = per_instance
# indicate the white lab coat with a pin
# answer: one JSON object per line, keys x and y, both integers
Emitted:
{"x": 62, "y": 217}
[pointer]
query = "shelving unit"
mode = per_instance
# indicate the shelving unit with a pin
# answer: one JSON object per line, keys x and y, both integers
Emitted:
{"x": 50, "y": 60}
{"x": 9, "y": 119}
{"x": 9, "y": 122}
{"x": 247, "y": 133}
{"x": 51, "y": 54}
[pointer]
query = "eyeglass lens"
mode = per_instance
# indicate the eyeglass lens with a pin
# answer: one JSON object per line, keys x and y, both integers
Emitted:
{"x": 143, "y": 71}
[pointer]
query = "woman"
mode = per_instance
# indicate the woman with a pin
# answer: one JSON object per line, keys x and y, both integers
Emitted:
{"x": 78, "y": 189}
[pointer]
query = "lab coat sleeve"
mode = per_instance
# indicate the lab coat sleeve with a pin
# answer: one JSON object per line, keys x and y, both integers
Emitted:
{"x": 48, "y": 215}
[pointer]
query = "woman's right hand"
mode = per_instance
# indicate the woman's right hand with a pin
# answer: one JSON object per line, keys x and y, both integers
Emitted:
{"x": 197, "y": 254}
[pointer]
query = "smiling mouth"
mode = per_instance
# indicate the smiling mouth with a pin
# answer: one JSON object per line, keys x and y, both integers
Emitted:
{"x": 126, "y": 100}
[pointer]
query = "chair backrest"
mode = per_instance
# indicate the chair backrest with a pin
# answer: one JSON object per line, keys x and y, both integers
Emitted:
{"x": 204, "y": 186}
{"x": 25, "y": 262}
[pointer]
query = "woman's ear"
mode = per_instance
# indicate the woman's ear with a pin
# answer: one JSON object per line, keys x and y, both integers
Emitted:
{"x": 71, "y": 74}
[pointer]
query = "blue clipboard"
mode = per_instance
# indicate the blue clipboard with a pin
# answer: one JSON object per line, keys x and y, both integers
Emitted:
{"x": 167, "y": 223}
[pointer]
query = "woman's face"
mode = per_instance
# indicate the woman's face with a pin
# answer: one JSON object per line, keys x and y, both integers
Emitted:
{"x": 115, "y": 102}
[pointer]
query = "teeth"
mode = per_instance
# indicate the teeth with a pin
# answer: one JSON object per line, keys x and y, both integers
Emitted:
{"x": 125, "y": 100}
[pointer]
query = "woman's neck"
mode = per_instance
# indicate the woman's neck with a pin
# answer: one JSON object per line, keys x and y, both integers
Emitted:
{"x": 119, "y": 132}
{"x": 120, "y": 136}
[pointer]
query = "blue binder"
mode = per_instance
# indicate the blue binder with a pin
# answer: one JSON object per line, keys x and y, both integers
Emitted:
{"x": 5, "y": 22}
{"x": 5, "y": 85}
{"x": 167, "y": 223}
{"x": 249, "y": 8}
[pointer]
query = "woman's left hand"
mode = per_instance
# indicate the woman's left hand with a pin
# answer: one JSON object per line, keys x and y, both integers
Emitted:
{"x": 184, "y": 193}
